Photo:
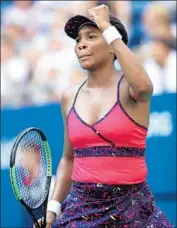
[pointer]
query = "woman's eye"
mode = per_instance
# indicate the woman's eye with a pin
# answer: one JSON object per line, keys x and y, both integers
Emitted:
{"x": 77, "y": 40}
{"x": 92, "y": 37}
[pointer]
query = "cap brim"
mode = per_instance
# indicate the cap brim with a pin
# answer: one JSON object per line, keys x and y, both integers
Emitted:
{"x": 74, "y": 24}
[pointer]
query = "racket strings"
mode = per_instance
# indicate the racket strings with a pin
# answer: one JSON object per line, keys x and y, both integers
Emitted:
{"x": 31, "y": 169}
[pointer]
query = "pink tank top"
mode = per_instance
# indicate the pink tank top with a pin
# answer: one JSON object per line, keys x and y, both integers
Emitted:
{"x": 111, "y": 151}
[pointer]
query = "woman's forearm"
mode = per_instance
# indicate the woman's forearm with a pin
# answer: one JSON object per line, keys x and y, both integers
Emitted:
{"x": 63, "y": 180}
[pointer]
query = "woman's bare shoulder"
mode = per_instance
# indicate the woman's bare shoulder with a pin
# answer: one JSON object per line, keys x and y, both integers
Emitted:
{"x": 70, "y": 92}
{"x": 68, "y": 96}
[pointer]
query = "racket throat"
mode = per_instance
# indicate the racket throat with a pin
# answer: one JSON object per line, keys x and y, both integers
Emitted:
{"x": 31, "y": 214}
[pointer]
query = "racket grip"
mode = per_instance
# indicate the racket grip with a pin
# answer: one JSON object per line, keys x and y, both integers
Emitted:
{"x": 55, "y": 207}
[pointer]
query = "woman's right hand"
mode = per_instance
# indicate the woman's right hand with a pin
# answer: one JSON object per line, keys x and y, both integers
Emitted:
{"x": 50, "y": 219}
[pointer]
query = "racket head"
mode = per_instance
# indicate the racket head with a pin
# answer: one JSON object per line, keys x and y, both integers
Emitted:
{"x": 31, "y": 168}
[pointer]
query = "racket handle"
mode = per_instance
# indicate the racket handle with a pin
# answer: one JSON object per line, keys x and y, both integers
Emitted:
{"x": 43, "y": 222}
{"x": 36, "y": 225}
{"x": 43, "y": 225}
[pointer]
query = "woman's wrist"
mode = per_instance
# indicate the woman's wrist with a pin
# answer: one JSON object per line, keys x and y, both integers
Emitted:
{"x": 110, "y": 34}
{"x": 104, "y": 26}
{"x": 55, "y": 207}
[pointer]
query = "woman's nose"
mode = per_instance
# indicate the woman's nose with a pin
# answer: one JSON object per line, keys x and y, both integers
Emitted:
{"x": 82, "y": 45}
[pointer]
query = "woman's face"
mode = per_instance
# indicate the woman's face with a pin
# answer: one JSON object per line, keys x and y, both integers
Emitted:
{"x": 91, "y": 48}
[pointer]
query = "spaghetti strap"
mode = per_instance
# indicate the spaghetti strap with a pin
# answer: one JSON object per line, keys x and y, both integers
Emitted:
{"x": 118, "y": 88}
{"x": 78, "y": 93}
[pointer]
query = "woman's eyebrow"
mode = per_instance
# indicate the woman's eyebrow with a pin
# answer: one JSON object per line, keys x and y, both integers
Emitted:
{"x": 88, "y": 31}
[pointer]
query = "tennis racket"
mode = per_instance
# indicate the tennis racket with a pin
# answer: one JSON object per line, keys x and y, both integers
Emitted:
{"x": 31, "y": 171}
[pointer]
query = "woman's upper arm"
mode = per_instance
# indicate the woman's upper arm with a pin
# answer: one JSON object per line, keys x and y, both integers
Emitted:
{"x": 67, "y": 100}
{"x": 68, "y": 148}
{"x": 144, "y": 96}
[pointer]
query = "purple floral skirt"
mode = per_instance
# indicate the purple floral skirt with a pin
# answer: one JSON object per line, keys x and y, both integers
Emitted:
{"x": 119, "y": 206}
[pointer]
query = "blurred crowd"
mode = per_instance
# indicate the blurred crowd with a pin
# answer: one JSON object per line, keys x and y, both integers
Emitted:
{"x": 37, "y": 58}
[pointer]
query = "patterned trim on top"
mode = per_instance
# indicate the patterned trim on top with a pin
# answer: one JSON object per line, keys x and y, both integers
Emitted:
{"x": 109, "y": 151}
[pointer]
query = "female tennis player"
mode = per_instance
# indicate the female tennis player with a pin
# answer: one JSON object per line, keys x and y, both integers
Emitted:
{"x": 101, "y": 178}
